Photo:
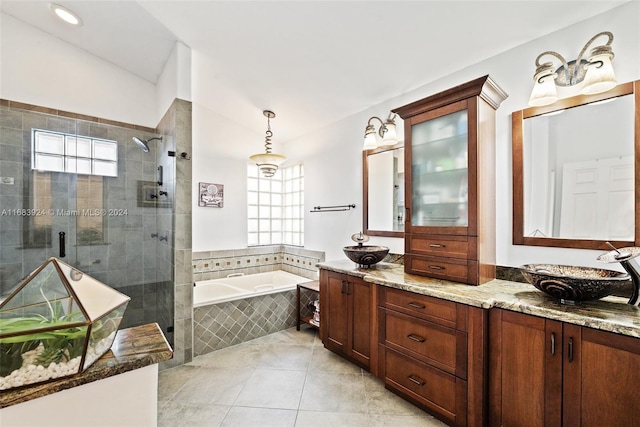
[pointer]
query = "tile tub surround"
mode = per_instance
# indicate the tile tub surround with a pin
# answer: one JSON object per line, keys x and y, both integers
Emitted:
{"x": 284, "y": 379}
{"x": 221, "y": 325}
{"x": 133, "y": 348}
{"x": 611, "y": 313}
{"x": 218, "y": 264}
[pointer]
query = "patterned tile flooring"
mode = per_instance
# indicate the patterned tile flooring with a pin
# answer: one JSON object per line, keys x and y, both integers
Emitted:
{"x": 285, "y": 379}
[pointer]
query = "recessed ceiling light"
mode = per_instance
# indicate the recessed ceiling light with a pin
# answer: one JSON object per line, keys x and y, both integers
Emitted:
{"x": 65, "y": 14}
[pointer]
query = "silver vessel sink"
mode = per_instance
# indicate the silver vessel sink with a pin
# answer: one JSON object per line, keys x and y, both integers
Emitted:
{"x": 571, "y": 284}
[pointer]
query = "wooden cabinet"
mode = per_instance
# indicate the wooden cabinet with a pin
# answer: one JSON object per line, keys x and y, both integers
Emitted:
{"x": 549, "y": 373}
{"x": 431, "y": 352}
{"x": 346, "y": 316}
{"x": 450, "y": 182}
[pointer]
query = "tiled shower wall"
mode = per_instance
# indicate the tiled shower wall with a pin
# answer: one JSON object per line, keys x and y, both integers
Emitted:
{"x": 176, "y": 127}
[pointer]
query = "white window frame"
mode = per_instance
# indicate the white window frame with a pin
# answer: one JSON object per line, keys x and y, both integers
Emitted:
{"x": 69, "y": 153}
{"x": 275, "y": 207}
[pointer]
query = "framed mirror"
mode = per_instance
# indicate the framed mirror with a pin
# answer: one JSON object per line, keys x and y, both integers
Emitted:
{"x": 383, "y": 191}
{"x": 575, "y": 171}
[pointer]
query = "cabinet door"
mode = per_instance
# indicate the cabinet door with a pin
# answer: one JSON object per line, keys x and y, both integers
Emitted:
{"x": 334, "y": 308}
{"x": 525, "y": 374}
{"x": 359, "y": 295}
{"x": 601, "y": 377}
{"x": 438, "y": 188}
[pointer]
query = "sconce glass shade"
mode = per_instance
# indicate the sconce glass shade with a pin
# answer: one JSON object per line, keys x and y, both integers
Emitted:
{"x": 390, "y": 137}
{"x": 544, "y": 91}
{"x": 600, "y": 76}
{"x": 370, "y": 141}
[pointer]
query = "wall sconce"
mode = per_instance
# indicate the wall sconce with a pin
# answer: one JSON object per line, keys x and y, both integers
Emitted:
{"x": 595, "y": 73}
{"x": 268, "y": 162}
{"x": 387, "y": 132}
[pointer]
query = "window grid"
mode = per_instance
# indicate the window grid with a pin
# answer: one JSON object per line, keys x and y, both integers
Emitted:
{"x": 275, "y": 207}
{"x": 59, "y": 152}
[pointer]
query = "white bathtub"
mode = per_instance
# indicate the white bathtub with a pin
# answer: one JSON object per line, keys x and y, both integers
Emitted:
{"x": 216, "y": 291}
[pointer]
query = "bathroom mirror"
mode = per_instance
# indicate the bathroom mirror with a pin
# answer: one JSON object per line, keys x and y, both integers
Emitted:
{"x": 383, "y": 191}
{"x": 575, "y": 183}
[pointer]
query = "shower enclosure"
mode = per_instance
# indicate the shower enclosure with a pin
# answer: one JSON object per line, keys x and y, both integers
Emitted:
{"x": 81, "y": 190}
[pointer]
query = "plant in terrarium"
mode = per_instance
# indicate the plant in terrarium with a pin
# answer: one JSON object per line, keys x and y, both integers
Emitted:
{"x": 47, "y": 343}
{"x": 56, "y": 323}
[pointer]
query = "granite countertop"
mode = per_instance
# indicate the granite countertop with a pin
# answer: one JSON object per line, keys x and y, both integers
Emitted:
{"x": 133, "y": 348}
{"x": 611, "y": 313}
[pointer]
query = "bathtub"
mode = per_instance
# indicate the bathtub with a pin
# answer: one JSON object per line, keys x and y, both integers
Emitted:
{"x": 236, "y": 287}
{"x": 233, "y": 310}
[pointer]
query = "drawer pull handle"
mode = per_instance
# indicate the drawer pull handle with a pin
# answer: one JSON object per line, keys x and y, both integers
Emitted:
{"x": 416, "y": 380}
{"x": 416, "y": 338}
{"x": 416, "y": 305}
{"x": 436, "y": 267}
{"x": 570, "y": 348}
{"x": 436, "y": 245}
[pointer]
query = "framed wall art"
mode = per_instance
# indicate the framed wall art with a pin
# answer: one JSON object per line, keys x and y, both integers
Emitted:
{"x": 211, "y": 195}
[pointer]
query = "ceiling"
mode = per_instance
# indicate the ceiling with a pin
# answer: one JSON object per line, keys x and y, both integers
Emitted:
{"x": 312, "y": 62}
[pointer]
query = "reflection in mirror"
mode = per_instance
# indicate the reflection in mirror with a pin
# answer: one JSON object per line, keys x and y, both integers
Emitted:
{"x": 574, "y": 172}
{"x": 384, "y": 191}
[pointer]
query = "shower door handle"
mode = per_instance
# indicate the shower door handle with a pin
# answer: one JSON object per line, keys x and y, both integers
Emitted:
{"x": 61, "y": 243}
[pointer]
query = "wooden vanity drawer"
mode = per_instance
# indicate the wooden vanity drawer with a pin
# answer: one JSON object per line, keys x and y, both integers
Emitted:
{"x": 440, "y": 346}
{"x": 462, "y": 247}
{"x": 422, "y": 306}
{"x": 453, "y": 269}
{"x": 443, "y": 394}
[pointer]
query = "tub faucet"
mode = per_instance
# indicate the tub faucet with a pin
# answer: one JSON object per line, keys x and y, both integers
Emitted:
{"x": 627, "y": 257}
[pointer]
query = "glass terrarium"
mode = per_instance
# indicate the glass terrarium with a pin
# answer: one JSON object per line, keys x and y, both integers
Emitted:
{"x": 55, "y": 324}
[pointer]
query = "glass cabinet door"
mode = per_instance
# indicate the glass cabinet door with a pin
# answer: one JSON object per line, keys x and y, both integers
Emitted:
{"x": 439, "y": 171}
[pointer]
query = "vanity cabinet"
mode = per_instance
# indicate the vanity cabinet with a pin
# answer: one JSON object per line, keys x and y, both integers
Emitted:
{"x": 450, "y": 182}
{"x": 346, "y": 313}
{"x": 548, "y": 373}
{"x": 431, "y": 352}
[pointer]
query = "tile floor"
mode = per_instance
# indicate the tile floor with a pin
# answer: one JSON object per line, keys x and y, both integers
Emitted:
{"x": 283, "y": 379}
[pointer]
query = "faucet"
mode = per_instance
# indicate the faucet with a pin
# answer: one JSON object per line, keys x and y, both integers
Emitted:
{"x": 627, "y": 258}
{"x": 360, "y": 238}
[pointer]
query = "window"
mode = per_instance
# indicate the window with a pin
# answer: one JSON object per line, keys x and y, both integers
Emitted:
{"x": 275, "y": 206}
{"x": 59, "y": 152}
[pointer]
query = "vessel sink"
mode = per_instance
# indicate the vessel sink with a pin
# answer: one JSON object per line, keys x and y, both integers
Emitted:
{"x": 366, "y": 255}
{"x": 571, "y": 284}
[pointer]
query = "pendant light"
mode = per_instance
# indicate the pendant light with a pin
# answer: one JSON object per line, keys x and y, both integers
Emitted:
{"x": 268, "y": 162}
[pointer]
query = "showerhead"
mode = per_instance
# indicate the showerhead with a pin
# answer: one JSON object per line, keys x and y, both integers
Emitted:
{"x": 144, "y": 144}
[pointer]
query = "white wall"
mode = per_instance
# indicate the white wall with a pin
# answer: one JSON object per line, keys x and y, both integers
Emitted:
{"x": 333, "y": 175}
{"x": 175, "y": 79}
{"x": 42, "y": 70}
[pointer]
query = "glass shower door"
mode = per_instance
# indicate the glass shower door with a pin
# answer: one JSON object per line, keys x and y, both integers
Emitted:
{"x": 52, "y": 194}
{"x": 37, "y": 199}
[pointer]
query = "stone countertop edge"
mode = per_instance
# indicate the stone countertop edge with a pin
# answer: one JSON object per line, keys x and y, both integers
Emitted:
{"x": 611, "y": 314}
{"x": 132, "y": 348}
